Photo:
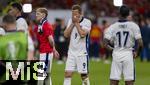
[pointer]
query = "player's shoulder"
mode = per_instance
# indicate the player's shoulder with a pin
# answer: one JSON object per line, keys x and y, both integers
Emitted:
{"x": 21, "y": 19}
{"x": 47, "y": 25}
{"x": 86, "y": 20}
{"x": 133, "y": 23}
{"x": 112, "y": 26}
{"x": 130, "y": 23}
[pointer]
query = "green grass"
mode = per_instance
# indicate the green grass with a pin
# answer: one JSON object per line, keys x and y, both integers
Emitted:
{"x": 99, "y": 74}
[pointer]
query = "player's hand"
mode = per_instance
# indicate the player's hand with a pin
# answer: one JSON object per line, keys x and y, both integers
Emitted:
{"x": 56, "y": 54}
{"x": 75, "y": 19}
{"x": 134, "y": 55}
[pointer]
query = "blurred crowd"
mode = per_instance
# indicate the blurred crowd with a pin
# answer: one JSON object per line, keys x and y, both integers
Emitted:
{"x": 94, "y": 9}
{"x": 97, "y": 8}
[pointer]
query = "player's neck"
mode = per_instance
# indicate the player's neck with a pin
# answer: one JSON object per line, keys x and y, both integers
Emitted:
{"x": 81, "y": 18}
{"x": 19, "y": 14}
{"x": 42, "y": 20}
{"x": 122, "y": 18}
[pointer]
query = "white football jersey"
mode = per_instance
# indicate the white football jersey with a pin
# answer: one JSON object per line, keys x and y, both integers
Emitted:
{"x": 79, "y": 45}
{"x": 22, "y": 24}
{"x": 123, "y": 35}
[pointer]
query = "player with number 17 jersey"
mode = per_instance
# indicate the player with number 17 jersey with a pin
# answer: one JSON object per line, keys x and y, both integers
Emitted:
{"x": 123, "y": 34}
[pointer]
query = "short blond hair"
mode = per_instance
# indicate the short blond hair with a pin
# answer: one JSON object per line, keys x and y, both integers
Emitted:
{"x": 43, "y": 10}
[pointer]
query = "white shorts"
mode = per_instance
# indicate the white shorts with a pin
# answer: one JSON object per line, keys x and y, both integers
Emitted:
{"x": 77, "y": 63}
{"x": 47, "y": 58}
{"x": 125, "y": 66}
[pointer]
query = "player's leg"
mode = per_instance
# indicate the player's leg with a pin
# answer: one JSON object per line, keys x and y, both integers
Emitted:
{"x": 45, "y": 58}
{"x": 68, "y": 77}
{"x": 70, "y": 68}
{"x": 42, "y": 58}
{"x": 48, "y": 80}
{"x": 85, "y": 79}
{"x": 82, "y": 66}
{"x": 114, "y": 82}
{"x": 129, "y": 82}
{"x": 115, "y": 75}
{"x": 129, "y": 71}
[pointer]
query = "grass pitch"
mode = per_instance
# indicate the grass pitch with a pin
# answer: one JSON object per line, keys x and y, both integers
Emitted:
{"x": 99, "y": 74}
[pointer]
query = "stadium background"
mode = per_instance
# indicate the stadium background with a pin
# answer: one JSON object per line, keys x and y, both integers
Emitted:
{"x": 102, "y": 13}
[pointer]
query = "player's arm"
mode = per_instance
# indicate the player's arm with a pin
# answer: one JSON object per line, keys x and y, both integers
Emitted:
{"x": 51, "y": 40}
{"x": 49, "y": 34}
{"x": 68, "y": 30}
{"x": 138, "y": 38}
{"x": 139, "y": 47}
{"x": 52, "y": 43}
{"x": 140, "y": 44}
{"x": 82, "y": 32}
{"x": 107, "y": 44}
{"x": 107, "y": 39}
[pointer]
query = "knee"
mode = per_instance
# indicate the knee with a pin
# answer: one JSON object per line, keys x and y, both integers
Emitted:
{"x": 68, "y": 74}
{"x": 129, "y": 82}
{"x": 84, "y": 76}
{"x": 114, "y": 82}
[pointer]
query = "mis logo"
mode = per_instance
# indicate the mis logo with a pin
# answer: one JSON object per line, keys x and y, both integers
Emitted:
{"x": 21, "y": 71}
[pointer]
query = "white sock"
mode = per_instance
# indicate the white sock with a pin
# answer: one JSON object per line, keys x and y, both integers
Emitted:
{"x": 67, "y": 81}
{"x": 86, "y": 81}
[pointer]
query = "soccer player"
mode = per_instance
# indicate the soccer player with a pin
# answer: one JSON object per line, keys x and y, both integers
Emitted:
{"x": 16, "y": 11}
{"x": 123, "y": 35}
{"x": 21, "y": 25}
{"x": 78, "y": 30}
{"x": 44, "y": 33}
